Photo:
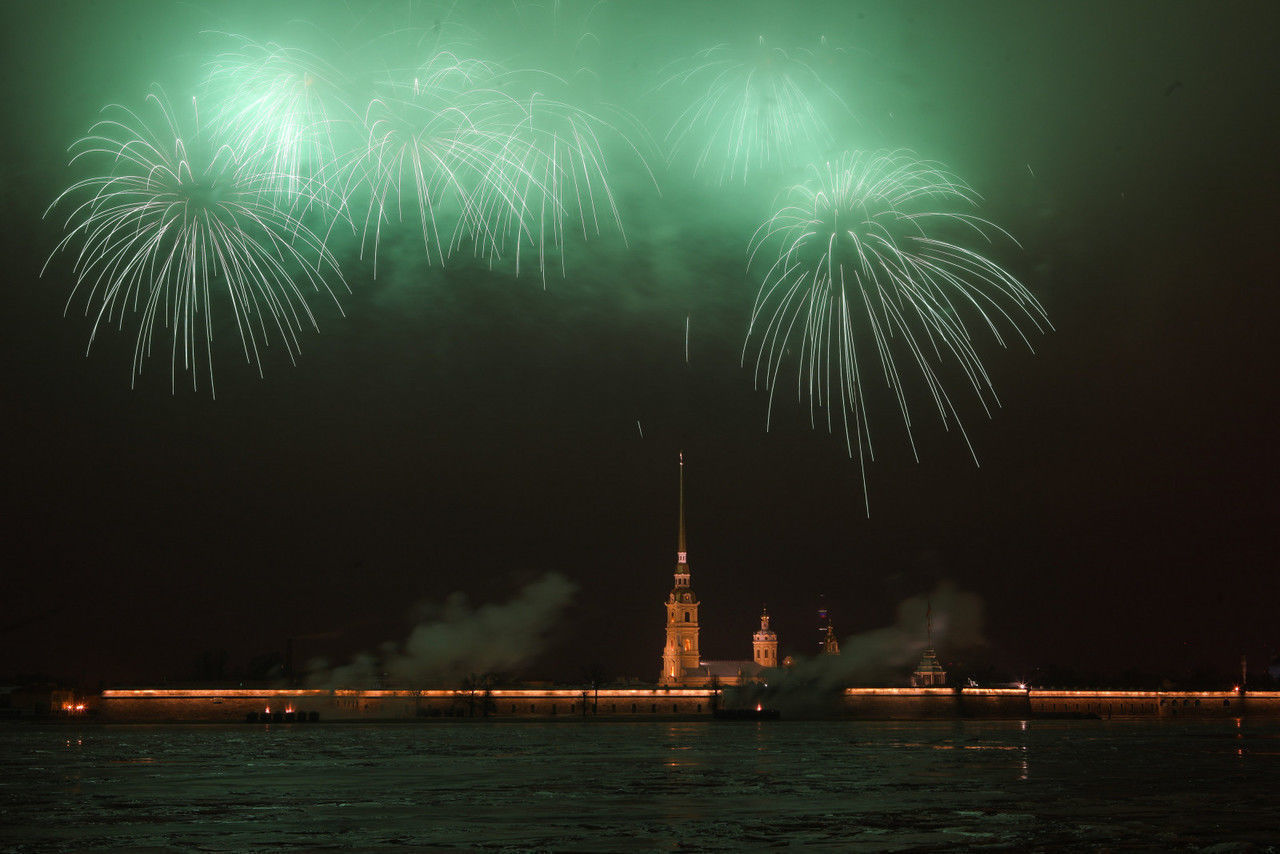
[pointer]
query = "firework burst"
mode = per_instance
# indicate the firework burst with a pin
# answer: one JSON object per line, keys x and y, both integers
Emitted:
{"x": 554, "y": 179}
{"x": 759, "y": 109}
{"x": 430, "y": 143}
{"x": 287, "y": 103}
{"x": 178, "y": 225}
{"x": 485, "y": 162}
{"x": 866, "y": 264}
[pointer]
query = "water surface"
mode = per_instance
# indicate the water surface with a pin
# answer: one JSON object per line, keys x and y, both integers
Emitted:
{"x": 619, "y": 786}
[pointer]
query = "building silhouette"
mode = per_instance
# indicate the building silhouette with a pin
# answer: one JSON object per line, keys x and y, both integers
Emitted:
{"x": 682, "y": 663}
{"x": 929, "y": 673}
{"x": 680, "y": 656}
{"x": 764, "y": 643}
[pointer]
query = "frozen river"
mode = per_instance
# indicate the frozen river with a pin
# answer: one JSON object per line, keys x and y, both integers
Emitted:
{"x": 624, "y": 786}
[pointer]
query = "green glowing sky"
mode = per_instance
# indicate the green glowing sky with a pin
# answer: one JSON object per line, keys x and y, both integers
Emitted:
{"x": 462, "y": 428}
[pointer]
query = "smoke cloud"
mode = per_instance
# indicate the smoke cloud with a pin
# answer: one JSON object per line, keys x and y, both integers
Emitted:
{"x": 456, "y": 640}
{"x": 879, "y": 657}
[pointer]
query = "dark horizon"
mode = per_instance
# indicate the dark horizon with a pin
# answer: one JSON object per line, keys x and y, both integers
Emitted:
{"x": 462, "y": 429}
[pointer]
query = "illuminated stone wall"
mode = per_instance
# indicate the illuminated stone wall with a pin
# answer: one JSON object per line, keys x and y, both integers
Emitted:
{"x": 236, "y": 705}
{"x": 1111, "y": 704}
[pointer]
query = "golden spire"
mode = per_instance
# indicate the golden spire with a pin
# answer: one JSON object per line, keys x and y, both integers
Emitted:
{"x": 682, "y": 552}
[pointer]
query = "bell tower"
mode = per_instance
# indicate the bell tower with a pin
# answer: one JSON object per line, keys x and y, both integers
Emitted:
{"x": 680, "y": 656}
{"x": 929, "y": 674}
{"x": 764, "y": 643}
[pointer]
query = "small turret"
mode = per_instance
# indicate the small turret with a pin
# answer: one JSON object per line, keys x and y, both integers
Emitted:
{"x": 828, "y": 645}
{"x": 929, "y": 673}
{"x": 764, "y": 643}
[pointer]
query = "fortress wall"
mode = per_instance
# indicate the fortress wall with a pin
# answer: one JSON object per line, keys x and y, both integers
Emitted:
{"x": 1262, "y": 703}
{"x": 1164, "y": 704}
{"x": 1000, "y": 703}
{"x": 1012, "y": 703}
{"x": 234, "y": 705}
{"x": 1103, "y": 704}
{"x": 1220, "y": 704}
{"x": 900, "y": 703}
{"x": 561, "y": 703}
{"x": 204, "y": 706}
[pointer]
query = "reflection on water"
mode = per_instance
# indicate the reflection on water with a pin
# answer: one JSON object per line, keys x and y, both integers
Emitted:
{"x": 589, "y": 785}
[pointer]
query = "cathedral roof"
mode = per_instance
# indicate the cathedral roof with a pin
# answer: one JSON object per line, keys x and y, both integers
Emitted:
{"x": 929, "y": 662}
{"x": 727, "y": 669}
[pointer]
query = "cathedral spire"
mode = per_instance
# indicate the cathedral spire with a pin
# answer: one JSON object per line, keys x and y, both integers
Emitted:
{"x": 682, "y": 552}
{"x": 680, "y": 658}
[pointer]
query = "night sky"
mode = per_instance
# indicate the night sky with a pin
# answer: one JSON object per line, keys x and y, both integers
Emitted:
{"x": 463, "y": 429}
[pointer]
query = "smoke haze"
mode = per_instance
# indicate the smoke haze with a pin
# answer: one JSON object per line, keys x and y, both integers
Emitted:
{"x": 456, "y": 640}
{"x": 880, "y": 656}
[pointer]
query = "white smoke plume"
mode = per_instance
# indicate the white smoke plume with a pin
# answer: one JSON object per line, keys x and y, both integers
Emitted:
{"x": 458, "y": 640}
{"x": 881, "y": 656}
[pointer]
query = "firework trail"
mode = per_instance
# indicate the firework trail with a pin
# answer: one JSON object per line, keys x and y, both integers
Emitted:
{"x": 176, "y": 225}
{"x": 751, "y": 110}
{"x": 288, "y": 103}
{"x": 567, "y": 137}
{"x": 560, "y": 38}
{"x": 554, "y": 178}
{"x": 485, "y": 162}
{"x": 430, "y": 142}
{"x": 862, "y": 268}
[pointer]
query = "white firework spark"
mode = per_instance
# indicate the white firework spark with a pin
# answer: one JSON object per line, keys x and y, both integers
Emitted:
{"x": 751, "y": 110}
{"x": 178, "y": 224}
{"x": 862, "y": 268}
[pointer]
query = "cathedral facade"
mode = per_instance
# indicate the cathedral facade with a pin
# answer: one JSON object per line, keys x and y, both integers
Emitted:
{"x": 682, "y": 663}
